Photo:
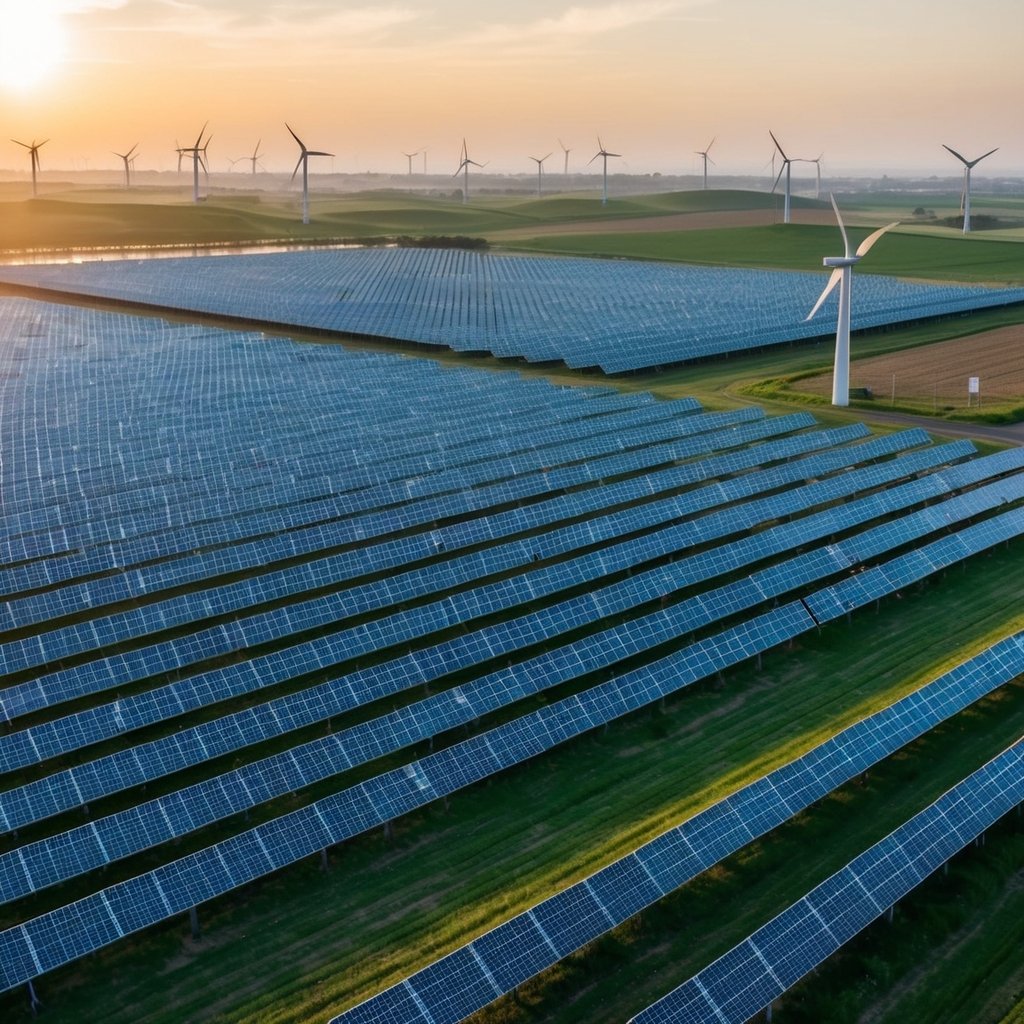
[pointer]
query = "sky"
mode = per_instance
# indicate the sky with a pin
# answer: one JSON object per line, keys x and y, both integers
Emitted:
{"x": 874, "y": 87}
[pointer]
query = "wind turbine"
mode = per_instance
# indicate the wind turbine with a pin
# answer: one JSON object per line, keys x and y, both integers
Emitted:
{"x": 539, "y": 161}
{"x": 566, "y": 151}
{"x": 129, "y": 162}
{"x": 33, "y": 148}
{"x": 817, "y": 169}
{"x": 409, "y": 156}
{"x": 785, "y": 169}
{"x": 604, "y": 154}
{"x": 842, "y": 274}
{"x": 966, "y": 195}
{"x": 198, "y": 160}
{"x": 464, "y": 165}
{"x": 256, "y": 154}
{"x": 704, "y": 153}
{"x": 304, "y": 164}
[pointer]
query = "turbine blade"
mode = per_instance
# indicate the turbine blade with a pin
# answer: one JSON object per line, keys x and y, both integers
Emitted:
{"x": 842, "y": 226}
{"x": 17, "y": 143}
{"x": 962, "y": 159}
{"x": 777, "y": 146}
{"x": 874, "y": 237}
{"x": 593, "y": 158}
{"x": 200, "y": 136}
{"x": 833, "y": 280}
{"x": 710, "y": 144}
{"x": 295, "y": 137}
{"x": 973, "y": 162}
{"x": 779, "y": 177}
{"x": 298, "y": 165}
{"x": 317, "y": 152}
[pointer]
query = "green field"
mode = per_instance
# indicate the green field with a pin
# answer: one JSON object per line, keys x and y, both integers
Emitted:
{"x": 304, "y": 943}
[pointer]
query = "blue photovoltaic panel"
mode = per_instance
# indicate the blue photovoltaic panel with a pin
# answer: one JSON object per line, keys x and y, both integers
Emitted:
{"x": 92, "y": 922}
{"x": 545, "y": 625}
{"x": 516, "y": 950}
{"x": 620, "y": 315}
{"x": 747, "y": 978}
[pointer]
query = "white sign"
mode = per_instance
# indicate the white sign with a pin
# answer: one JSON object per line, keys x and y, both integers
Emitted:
{"x": 973, "y": 385}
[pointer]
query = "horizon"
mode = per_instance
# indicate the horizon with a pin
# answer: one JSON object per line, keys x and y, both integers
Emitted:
{"x": 655, "y": 79}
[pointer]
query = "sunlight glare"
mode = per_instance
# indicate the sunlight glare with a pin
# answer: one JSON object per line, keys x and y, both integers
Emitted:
{"x": 31, "y": 43}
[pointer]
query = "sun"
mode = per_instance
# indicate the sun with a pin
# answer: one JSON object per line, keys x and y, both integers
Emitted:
{"x": 31, "y": 44}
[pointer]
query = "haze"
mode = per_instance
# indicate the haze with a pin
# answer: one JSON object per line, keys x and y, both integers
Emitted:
{"x": 876, "y": 86}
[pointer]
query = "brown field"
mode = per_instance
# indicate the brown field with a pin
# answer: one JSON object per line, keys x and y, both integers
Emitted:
{"x": 939, "y": 373}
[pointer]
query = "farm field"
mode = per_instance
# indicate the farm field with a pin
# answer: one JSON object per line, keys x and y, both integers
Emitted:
{"x": 935, "y": 377}
{"x": 305, "y": 943}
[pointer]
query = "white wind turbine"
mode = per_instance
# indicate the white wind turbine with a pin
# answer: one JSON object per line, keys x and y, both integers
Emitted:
{"x": 785, "y": 169}
{"x": 817, "y": 170}
{"x": 966, "y": 194}
{"x": 198, "y": 160}
{"x": 129, "y": 163}
{"x": 304, "y": 164}
{"x": 703, "y": 153}
{"x": 464, "y": 164}
{"x": 409, "y": 156}
{"x": 604, "y": 154}
{"x": 566, "y": 150}
{"x": 256, "y": 154}
{"x": 33, "y": 148}
{"x": 842, "y": 274}
{"x": 539, "y": 161}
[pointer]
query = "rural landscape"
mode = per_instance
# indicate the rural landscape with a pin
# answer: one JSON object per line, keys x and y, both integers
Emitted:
{"x": 581, "y": 587}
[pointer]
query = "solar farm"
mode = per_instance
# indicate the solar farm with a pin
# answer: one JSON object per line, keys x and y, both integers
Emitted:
{"x": 299, "y": 617}
{"x": 618, "y": 316}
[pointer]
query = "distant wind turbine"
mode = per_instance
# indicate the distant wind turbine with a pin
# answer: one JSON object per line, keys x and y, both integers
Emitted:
{"x": 539, "y": 161}
{"x": 198, "y": 152}
{"x": 785, "y": 169}
{"x": 566, "y": 151}
{"x": 604, "y": 154}
{"x": 817, "y": 171}
{"x": 129, "y": 162}
{"x": 304, "y": 164}
{"x": 842, "y": 274}
{"x": 463, "y": 169}
{"x": 409, "y": 156}
{"x": 704, "y": 154}
{"x": 966, "y": 194}
{"x": 256, "y": 154}
{"x": 33, "y": 148}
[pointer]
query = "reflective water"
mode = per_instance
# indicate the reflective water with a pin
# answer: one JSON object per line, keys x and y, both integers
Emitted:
{"x": 28, "y": 257}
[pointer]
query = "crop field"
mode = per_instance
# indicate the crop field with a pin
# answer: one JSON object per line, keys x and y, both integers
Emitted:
{"x": 316, "y": 937}
{"x": 937, "y": 375}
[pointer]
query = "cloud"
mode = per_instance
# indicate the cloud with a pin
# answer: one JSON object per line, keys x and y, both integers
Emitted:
{"x": 581, "y": 21}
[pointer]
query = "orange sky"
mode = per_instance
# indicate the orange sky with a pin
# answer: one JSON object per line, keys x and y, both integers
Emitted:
{"x": 875, "y": 85}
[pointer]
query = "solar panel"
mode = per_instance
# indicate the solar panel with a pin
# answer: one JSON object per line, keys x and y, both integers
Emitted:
{"x": 773, "y": 958}
{"x": 517, "y": 949}
{"x": 619, "y": 316}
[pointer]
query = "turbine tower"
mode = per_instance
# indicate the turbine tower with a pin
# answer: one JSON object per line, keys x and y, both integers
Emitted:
{"x": 129, "y": 163}
{"x": 566, "y": 151}
{"x": 409, "y": 156}
{"x": 817, "y": 171}
{"x": 198, "y": 160}
{"x": 966, "y": 195}
{"x": 842, "y": 274}
{"x": 463, "y": 169}
{"x": 604, "y": 154}
{"x": 539, "y": 161}
{"x": 703, "y": 153}
{"x": 33, "y": 148}
{"x": 304, "y": 164}
{"x": 785, "y": 169}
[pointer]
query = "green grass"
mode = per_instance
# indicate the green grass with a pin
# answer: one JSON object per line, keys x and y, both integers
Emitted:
{"x": 302, "y": 943}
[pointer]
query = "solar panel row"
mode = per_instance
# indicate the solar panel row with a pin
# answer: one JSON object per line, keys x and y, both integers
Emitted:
{"x": 63, "y": 735}
{"x": 777, "y": 955}
{"x": 319, "y": 759}
{"x": 452, "y": 988}
{"x": 619, "y": 317}
{"x": 45, "y": 942}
